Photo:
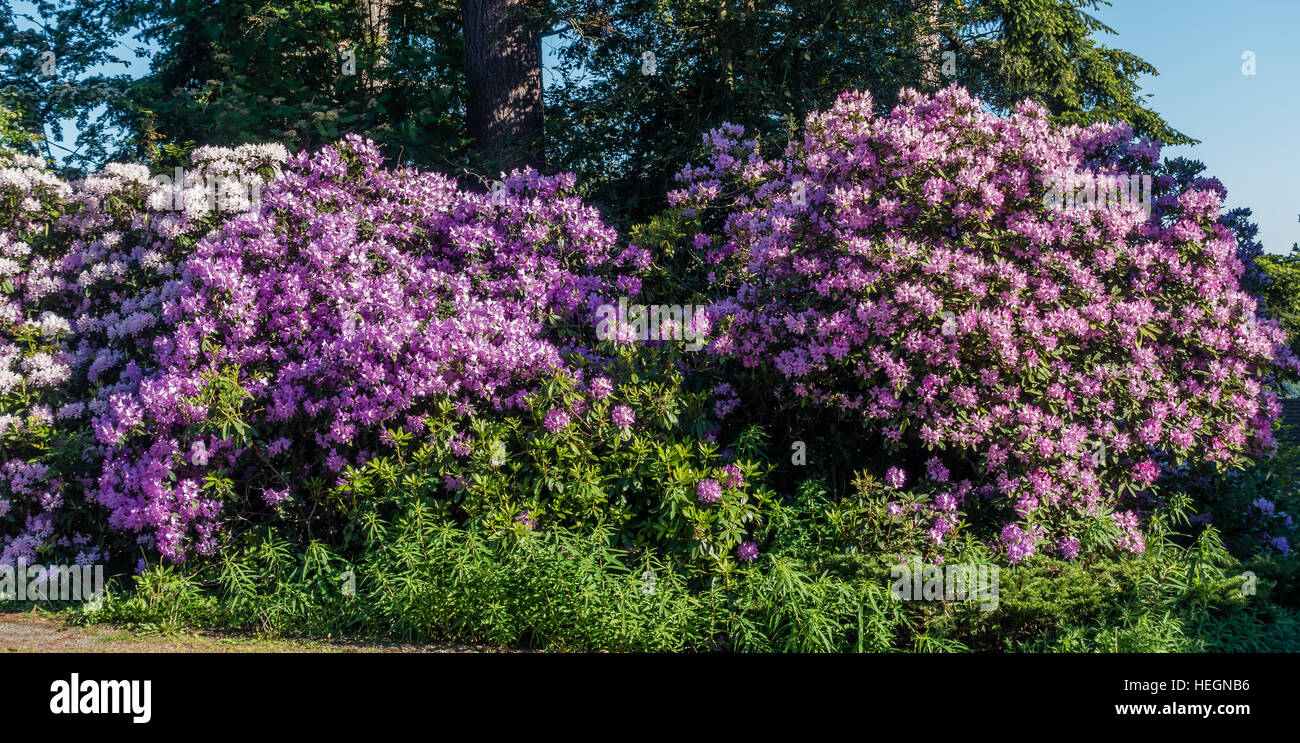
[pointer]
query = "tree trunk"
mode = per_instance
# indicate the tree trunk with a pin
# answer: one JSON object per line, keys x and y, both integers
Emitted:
{"x": 503, "y": 68}
{"x": 928, "y": 44}
{"x": 376, "y": 23}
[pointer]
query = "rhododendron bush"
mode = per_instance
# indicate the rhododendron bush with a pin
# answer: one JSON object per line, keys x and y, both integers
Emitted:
{"x": 351, "y": 295}
{"x": 199, "y": 368}
{"x": 1038, "y": 365}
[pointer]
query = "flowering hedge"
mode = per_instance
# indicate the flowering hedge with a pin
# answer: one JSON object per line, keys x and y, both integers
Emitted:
{"x": 911, "y": 271}
{"x": 359, "y": 333}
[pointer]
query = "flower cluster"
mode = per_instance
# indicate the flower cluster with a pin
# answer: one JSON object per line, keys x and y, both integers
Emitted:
{"x": 904, "y": 270}
{"x": 85, "y": 269}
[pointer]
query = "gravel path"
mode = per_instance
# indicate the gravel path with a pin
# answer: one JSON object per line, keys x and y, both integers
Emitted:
{"x": 34, "y": 633}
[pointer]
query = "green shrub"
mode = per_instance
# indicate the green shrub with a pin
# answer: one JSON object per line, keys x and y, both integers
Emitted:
{"x": 417, "y": 576}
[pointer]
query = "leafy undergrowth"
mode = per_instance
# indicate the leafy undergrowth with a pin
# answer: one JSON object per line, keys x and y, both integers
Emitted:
{"x": 420, "y": 579}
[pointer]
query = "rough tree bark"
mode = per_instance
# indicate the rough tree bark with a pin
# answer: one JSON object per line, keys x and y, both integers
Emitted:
{"x": 503, "y": 68}
{"x": 928, "y": 44}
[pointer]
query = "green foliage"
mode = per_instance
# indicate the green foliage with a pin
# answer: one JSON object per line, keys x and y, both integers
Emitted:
{"x": 1008, "y": 50}
{"x": 766, "y": 66}
{"x": 1282, "y": 294}
{"x": 417, "y": 577}
{"x": 420, "y": 578}
{"x": 226, "y": 73}
{"x": 12, "y": 136}
{"x": 640, "y": 484}
{"x": 57, "y": 70}
{"x": 303, "y": 74}
{"x": 256, "y": 71}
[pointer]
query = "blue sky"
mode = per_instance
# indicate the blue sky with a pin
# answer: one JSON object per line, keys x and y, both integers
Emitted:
{"x": 1247, "y": 124}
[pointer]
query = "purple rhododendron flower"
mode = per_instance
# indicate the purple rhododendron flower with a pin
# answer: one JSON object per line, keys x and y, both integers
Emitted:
{"x": 747, "y": 551}
{"x": 732, "y": 476}
{"x": 460, "y": 444}
{"x": 708, "y": 491}
{"x": 1130, "y": 538}
{"x": 1069, "y": 547}
{"x": 1020, "y": 543}
{"x": 1146, "y": 472}
{"x": 601, "y": 387}
{"x": 895, "y": 477}
{"x": 556, "y": 420}
{"x": 622, "y": 416}
{"x": 935, "y": 470}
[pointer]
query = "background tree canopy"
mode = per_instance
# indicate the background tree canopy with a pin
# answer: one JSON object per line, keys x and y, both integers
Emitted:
{"x": 56, "y": 60}
{"x": 767, "y": 65}
{"x": 302, "y": 73}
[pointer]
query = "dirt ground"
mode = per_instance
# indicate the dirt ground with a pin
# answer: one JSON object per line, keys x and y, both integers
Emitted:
{"x": 35, "y": 633}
